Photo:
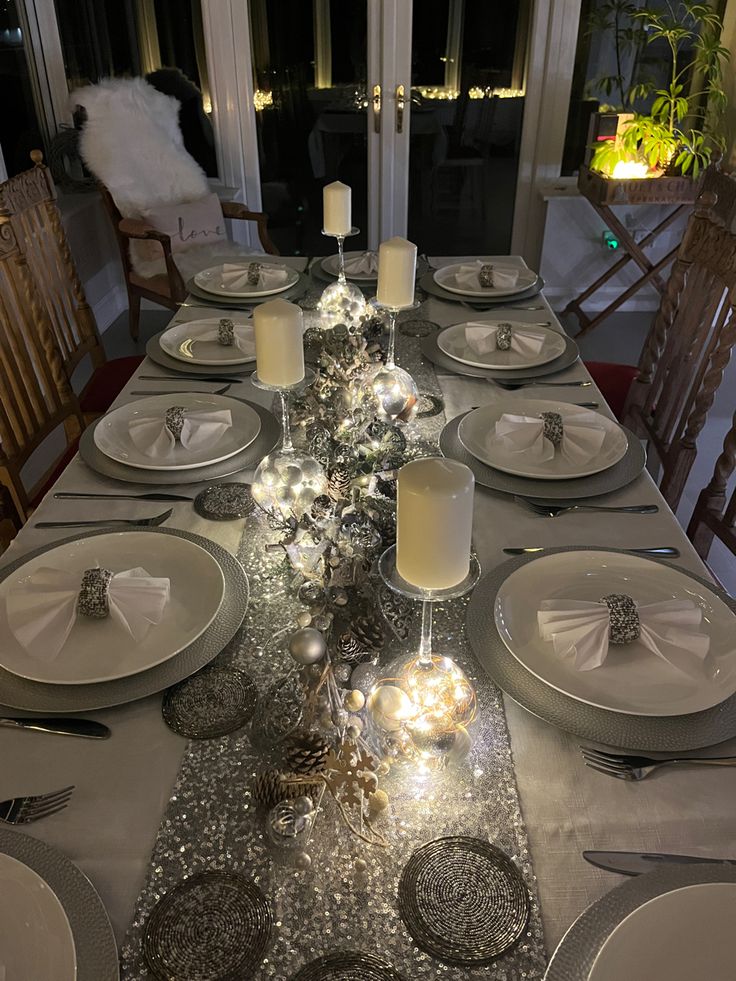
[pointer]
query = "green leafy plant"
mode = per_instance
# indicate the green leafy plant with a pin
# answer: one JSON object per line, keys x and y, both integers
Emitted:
{"x": 683, "y": 126}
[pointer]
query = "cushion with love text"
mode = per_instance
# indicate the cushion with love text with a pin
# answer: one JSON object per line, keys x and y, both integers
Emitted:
{"x": 191, "y": 223}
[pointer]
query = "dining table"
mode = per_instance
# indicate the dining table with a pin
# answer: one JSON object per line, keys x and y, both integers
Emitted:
{"x": 125, "y": 784}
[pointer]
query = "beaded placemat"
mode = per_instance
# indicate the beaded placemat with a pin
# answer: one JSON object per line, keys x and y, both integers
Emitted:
{"x": 211, "y": 927}
{"x": 225, "y": 502}
{"x": 212, "y": 821}
{"x": 347, "y": 965}
{"x": 213, "y": 702}
{"x": 463, "y": 900}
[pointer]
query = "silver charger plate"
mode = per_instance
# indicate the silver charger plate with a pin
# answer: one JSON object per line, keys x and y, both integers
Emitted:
{"x": 576, "y": 952}
{"x": 428, "y": 284}
{"x": 32, "y": 696}
{"x": 619, "y": 475}
{"x": 250, "y": 457}
{"x": 94, "y": 941}
{"x": 244, "y": 302}
{"x": 664, "y": 734}
{"x": 156, "y": 353}
{"x": 432, "y": 351}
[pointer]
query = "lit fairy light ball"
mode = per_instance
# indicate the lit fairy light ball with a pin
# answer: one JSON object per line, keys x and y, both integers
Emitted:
{"x": 287, "y": 483}
{"x": 395, "y": 392}
{"x": 341, "y": 303}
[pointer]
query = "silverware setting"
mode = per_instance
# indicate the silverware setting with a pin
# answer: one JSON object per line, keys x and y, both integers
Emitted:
{"x": 138, "y": 522}
{"x": 179, "y": 376}
{"x": 25, "y": 810}
{"x": 182, "y": 391}
{"x": 665, "y": 550}
{"x": 530, "y": 383}
{"x": 554, "y": 510}
{"x": 637, "y": 863}
{"x": 495, "y": 308}
{"x": 84, "y": 728}
{"x": 581, "y": 405}
{"x": 625, "y": 767}
{"x": 78, "y": 496}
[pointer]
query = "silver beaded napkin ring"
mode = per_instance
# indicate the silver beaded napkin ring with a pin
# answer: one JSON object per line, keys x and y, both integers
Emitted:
{"x": 485, "y": 276}
{"x": 254, "y": 273}
{"x": 623, "y": 618}
{"x": 226, "y": 332}
{"x": 553, "y": 428}
{"x": 93, "y": 593}
{"x": 174, "y": 420}
{"x": 503, "y": 336}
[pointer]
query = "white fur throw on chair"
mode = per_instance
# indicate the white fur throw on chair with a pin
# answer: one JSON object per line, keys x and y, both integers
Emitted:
{"x": 132, "y": 142}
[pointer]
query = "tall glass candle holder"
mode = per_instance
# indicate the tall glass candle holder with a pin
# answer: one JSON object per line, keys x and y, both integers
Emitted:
{"x": 287, "y": 481}
{"x": 427, "y": 702}
{"x": 341, "y": 302}
{"x": 395, "y": 390}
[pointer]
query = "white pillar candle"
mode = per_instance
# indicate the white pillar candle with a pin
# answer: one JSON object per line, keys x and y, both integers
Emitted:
{"x": 397, "y": 266}
{"x": 279, "y": 343}
{"x": 336, "y": 203}
{"x": 434, "y": 517}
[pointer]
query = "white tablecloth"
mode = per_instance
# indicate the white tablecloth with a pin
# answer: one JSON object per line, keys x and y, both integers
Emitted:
{"x": 123, "y": 784}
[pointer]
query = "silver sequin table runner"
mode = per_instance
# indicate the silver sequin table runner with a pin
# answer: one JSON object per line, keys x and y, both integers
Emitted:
{"x": 211, "y": 822}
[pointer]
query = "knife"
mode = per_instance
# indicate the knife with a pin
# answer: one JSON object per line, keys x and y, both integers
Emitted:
{"x": 230, "y": 379}
{"x": 662, "y": 550}
{"x": 85, "y": 728}
{"x": 74, "y": 496}
{"x": 636, "y": 863}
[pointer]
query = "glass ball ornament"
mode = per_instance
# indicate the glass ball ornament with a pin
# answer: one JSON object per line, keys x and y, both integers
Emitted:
{"x": 341, "y": 303}
{"x": 288, "y": 826}
{"x": 395, "y": 393}
{"x": 287, "y": 483}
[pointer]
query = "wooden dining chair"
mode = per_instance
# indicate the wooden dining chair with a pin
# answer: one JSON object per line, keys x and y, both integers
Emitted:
{"x": 35, "y": 395}
{"x": 687, "y": 350}
{"x": 714, "y": 516}
{"x": 30, "y": 200}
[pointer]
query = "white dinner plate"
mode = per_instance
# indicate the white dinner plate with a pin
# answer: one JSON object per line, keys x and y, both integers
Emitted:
{"x": 477, "y": 429}
{"x": 445, "y": 277}
{"x": 36, "y": 942}
{"x": 112, "y": 436}
{"x": 632, "y": 679}
{"x": 210, "y": 280}
{"x": 682, "y": 935}
{"x": 102, "y": 650}
{"x": 330, "y": 266}
{"x": 452, "y": 341}
{"x": 183, "y": 342}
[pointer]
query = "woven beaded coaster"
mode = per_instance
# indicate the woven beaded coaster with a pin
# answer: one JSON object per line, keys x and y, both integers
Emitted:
{"x": 347, "y": 965}
{"x": 212, "y": 927}
{"x": 463, "y": 900}
{"x": 224, "y": 502}
{"x": 215, "y": 701}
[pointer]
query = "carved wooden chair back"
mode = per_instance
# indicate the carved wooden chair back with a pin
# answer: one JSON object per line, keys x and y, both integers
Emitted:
{"x": 714, "y": 516}
{"x": 30, "y": 200}
{"x": 723, "y": 185}
{"x": 687, "y": 349}
{"x": 35, "y": 395}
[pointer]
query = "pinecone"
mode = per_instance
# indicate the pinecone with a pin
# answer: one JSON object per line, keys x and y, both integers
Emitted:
{"x": 271, "y": 786}
{"x": 305, "y": 752}
{"x": 349, "y": 649}
{"x": 338, "y": 484}
{"x": 321, "y": 507}
{"x": 368, "y": 633}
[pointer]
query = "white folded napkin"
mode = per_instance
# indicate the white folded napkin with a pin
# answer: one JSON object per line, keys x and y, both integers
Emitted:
{"x": 582, "y": 437}
{"x": 42, "y": 609}
{"x": 580, "y": 629}
{"x": 201, "y": 427}
{"x": 482, "y": 338}
{"x": 243, "y": 338}
{"x": 467, "y": 276}
{"x": 365, "y": 264}
{"x": 236, "y": 277}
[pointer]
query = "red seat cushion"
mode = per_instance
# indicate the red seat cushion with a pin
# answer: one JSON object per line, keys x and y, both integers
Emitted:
{"x": 108, "y": 382}
{"x": 58, "y": 470}
{"x": 614, "y": 381}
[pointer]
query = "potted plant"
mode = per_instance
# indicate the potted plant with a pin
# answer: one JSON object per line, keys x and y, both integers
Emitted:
{"x": 658, "y": 155}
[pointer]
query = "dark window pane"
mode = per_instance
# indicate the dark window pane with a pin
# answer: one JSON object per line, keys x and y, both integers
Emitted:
{"x": 19, "y": 129}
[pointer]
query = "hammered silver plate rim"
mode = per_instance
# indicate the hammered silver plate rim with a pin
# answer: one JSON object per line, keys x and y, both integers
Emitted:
{"x": 250, "y": 457}
{"x": 431, "y": 350}
{"x": 156, "y": 353}
{"x": 673, "y": 733}
{"x": 575, "y": 955}
{"x": 94, "y": 940}
{"x": 32, "y": 696}
{"x": 621, "y": 474}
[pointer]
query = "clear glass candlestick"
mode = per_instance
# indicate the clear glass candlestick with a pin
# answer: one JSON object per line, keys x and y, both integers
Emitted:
{"x": 341, "y": 302}
{"x": 395, "y": 390}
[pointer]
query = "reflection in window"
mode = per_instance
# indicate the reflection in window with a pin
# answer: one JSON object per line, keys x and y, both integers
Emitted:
{"x": 19, "y": 129}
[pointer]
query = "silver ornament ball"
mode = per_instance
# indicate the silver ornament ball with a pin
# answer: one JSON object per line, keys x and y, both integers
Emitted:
{"x": 307, "y": 645}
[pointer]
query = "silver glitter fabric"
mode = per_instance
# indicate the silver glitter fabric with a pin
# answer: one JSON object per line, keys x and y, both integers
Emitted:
{"x": 226, "y": 332}
{"x": 174, "y": 420}
{"x": 212, "y": 821}
{"x": 93, "y": 601}
{"x": 254, "y": 273}
{"x": 503, "y": 336}
{"x": 553, "y": 427}
{"x": 623, "y": 618}
{"x": 485, "y": 276}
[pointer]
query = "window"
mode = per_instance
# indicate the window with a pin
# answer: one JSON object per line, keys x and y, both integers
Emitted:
{"x": 20, "y": 131}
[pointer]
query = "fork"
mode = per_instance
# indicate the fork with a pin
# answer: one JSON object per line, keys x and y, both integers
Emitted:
{"x": 553, "y": 510}
{"x": 137, "y": 522}
{"x": 24, "y": 810}
{"x": 625, "y": 767}
{"x": 513, "y": 385}
{"x": 474, "y": 306}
